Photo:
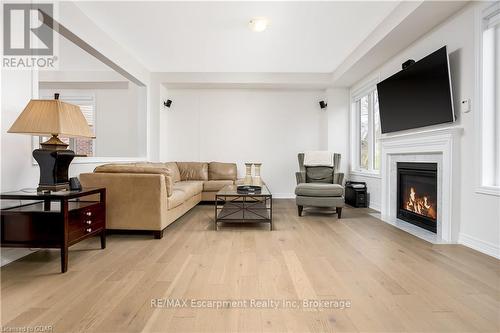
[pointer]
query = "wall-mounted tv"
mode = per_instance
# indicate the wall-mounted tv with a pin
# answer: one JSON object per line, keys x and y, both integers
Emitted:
{"x": 417, "y": 96}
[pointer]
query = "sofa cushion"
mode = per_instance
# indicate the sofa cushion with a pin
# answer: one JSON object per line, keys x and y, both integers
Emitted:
{"x": 190, "y": 187}
{"x": 319, "y": 190}
{"x": 215, "y": 185}
{"x": 174, "y": 171}
{"x": 222, "y": 171}
{"x": 177, "y": 198}
{"x": 170, "y": 167}
{"x": 193, "y": 170}
{"x": 183, "y": 191}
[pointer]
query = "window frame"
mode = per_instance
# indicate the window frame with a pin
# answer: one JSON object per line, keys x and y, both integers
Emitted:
{"x": 369, "y": 89}
{"x": 481, "y": 14}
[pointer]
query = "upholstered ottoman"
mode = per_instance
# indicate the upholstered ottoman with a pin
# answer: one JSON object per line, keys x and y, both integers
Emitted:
{"x": 320, "y": 195}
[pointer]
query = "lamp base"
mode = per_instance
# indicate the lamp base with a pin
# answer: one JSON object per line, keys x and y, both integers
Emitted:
{"x": 54, "y": 143}
{"x": 54, "y": 165}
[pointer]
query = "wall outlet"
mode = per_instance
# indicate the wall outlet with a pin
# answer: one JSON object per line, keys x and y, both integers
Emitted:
{"x": 465, "y": 105}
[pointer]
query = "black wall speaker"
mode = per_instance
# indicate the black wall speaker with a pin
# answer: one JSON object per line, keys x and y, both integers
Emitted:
{"x": 323, "y": 104}
{"x": 167, "y": 103}
{"x": 407, "y": 63}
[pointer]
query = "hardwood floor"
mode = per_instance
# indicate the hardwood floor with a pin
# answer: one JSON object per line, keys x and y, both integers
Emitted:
{"x": 394, "y": 281}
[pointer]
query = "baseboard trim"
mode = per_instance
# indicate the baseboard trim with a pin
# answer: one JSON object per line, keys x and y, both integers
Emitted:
{"x": 479, "y": 245}
{"x": 283, "y": 196}
{"x": 374, "y": 206}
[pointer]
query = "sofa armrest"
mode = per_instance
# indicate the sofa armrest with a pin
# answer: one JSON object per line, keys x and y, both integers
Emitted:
{"x": 338, "y": 178}
{"x": 134, "y": 201}
{"x": 300, "y": 177}
{"x": 138, "y": 169}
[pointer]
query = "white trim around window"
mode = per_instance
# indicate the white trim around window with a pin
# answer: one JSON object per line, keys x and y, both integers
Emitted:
{"x": 486, "y": 118}
{"x": 363, "y": 100}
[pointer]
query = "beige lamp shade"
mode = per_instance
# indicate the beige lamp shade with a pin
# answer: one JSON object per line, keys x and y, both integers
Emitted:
{"x": 52, "y": 117}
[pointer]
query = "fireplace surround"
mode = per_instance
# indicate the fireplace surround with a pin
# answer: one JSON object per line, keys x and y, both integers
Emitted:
{"x": 438, "y": 145}
{"x": 417, "y": 194}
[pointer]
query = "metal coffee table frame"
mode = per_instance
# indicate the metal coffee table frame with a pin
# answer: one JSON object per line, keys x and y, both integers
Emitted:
{"x": 234, "y": 207}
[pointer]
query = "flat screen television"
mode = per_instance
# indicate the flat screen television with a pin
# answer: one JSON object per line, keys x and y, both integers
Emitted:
{"x": 417, "y": 96}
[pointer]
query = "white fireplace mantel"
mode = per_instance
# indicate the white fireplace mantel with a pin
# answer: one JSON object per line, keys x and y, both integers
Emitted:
{"x": 439, "y": 145}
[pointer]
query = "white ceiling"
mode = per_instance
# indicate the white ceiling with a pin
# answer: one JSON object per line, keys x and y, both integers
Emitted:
{"x": 214, "y": 36}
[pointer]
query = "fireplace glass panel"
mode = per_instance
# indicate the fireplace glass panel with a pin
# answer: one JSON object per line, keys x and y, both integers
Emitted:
{"x": 417, "y": 194}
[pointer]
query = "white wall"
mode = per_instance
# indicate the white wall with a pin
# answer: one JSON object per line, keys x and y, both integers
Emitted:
{"x": 118, "y": 109}
{"x": 245, "y": 125}
{"x": 17, "y": 168}
{"x": 480, "y": 214}
{"x": 338, "y": 117}
{"x": 72, "y": 58}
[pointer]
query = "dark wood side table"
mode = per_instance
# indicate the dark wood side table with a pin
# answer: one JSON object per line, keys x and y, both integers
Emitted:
{"x": 53, "y": 220}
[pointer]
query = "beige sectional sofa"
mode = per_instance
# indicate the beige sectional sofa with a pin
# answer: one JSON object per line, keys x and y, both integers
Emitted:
{"x": 150, "y": 196}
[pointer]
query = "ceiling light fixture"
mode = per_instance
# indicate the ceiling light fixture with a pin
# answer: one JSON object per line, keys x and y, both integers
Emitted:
{"x": 258, "y": 24}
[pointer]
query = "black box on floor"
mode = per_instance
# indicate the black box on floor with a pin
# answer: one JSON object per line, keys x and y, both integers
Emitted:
{"x": 355, "y": 194}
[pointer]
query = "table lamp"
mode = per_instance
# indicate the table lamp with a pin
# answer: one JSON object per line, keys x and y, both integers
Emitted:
{"x": 52, "y": 117}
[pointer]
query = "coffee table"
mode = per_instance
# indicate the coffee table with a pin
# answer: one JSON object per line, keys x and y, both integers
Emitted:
{"x": 234, "y": 207}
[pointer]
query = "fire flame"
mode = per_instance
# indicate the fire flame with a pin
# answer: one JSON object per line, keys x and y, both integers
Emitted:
{"x": 420, "y": 205}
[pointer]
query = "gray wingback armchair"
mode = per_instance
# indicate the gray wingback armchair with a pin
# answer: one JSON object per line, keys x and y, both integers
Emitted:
{"x": 319, "y": 186}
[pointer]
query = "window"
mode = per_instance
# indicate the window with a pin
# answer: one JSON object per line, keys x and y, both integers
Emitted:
{"x": 363, "y": 133}
{"x": 81, "y": 146}
{"x": 366, "y": 154}
{"x": 84, "y": 146}
{"x": 489, "y": 95}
